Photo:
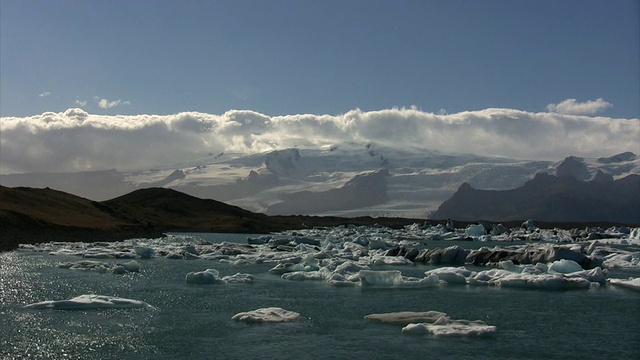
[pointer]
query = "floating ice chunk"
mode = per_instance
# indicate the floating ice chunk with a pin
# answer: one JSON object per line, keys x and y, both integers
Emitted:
{"x": 378, "y": 243}
{"x": 428, "y": 281}
{"x": 238, "y": 278}
{"x": 407, "y": 317}
{"x": 190, "y": 249}
{"x": 88, "y": 302}
{"x": 564, "y": 266}
{"x": 101, "y": 267}
{"x": 631, "y": 283}
{"x": 209, "y": 276}
{"x": 143, "y": 251}
{"x": 66, "y": 252}
{"x": 350, "y": 267}
{"x": 622, "y": 260}
{"x": 337, "y": 279}
{"x": 452, "y": 275}
{"x": 267, "y": 315}
{"x": 191, "y": 256}
{"x": 389, "y": 260}
{"x": 394, "y": 278}
{"x": 544, "y": 281}
{"x": 418, "y": 329}
{"x": 488, "y": 277}
{"x": 475, "y": 230}
{"x": 174, "y": 256}
{"x": 380, "y": 278}
{"x": 593, "y": 275}
{"x": 131, "y": 266}
{"x": 118, "y": 269}
{"x": 453, "y": 328}
{"x": 306, "y": 275}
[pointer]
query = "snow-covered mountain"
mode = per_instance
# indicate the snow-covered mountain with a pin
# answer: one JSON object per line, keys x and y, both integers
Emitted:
{"x": 342, "y": 179}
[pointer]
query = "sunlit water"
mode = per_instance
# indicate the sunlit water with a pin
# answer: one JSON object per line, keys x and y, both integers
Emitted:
{"x": 194, "y": 321}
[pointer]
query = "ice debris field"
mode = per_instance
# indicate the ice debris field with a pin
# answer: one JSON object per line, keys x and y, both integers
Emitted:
{"x": 374, "y": 257}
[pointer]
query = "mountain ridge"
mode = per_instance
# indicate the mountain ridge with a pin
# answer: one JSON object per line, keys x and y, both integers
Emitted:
{"x": 549, "y": 198}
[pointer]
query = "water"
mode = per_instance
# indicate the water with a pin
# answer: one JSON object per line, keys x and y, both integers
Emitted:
{"x": 194, "y": 321}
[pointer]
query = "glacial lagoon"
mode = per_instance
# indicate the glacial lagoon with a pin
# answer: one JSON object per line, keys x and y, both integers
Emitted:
{"x": 336, "y": 278}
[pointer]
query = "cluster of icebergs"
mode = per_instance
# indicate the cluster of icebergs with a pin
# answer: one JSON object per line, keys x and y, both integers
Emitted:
{"x": 349, "y": 255}
{"x": 352, "y": 255}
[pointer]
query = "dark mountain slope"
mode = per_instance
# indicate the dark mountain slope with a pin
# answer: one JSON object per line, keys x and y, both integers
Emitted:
{"x": 30, "y": 215}
{"x": 549, "y": 198}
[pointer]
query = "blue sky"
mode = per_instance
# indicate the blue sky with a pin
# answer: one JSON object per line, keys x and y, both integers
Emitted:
{"x": 316, "y": 57}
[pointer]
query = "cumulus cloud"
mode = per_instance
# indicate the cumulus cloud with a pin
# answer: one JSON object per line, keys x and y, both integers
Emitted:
{"x": 108, "y": 104}
{"x": 572, "y": 106}
{"x": 81, "y": 103}
{"x": 76, "y": 140}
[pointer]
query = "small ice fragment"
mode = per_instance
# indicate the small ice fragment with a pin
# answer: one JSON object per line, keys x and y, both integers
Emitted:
{"x": 267, "y": 315}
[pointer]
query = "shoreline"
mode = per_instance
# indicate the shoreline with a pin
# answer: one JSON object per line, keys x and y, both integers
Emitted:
{"x": 11, "y": 238}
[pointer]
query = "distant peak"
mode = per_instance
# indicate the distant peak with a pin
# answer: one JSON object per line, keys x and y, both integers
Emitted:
{"x": 622, "y": 157}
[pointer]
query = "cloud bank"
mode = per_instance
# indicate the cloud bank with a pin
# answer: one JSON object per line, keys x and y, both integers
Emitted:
{"x": 76, "y": 140}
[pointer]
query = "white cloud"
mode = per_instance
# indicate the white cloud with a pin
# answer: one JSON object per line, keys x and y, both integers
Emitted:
{"x": 81, "y": 103}
{"x": 108, "y": 104}
{"x": 76, "y": 140}
{"x": 571, "y": 106}
{"x": 45, "y": 94}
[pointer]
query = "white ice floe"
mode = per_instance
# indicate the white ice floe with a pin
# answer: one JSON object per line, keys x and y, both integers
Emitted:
{"x": 394, "y": 278}
{"x": 631, "y": 283}
{"x": 212, "y": 276}
{"x": 267, "y": 315}
{"x": 453, "y": 328}
{"x": 89, "y": 302}
{"x": 101, "y": 267}
{"x": 630, "y": 260}
{"x": 238, "y": 278}
{"x": 452, "y": 275}
{"x": 564, "y": 266}
{"x": 407, "y": 317}
{"x": 209, "y": 276}
{"x": 434, "y": 322}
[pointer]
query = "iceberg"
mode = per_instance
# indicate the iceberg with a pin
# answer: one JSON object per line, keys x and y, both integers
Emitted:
{"x": 407, "y": 317}
{"x": 452, "y": 275}
{"x": 631, "y": 283}
{"x": 267, "y": 315}
{"x": 452, "y": 328}
{"x": 394, "y": 278}
{"x": 564, "y": 266}
{"x": 209, "y": 276}
{"x": 101, "y": 267}
{"x": 380, "y": 278}
{"x": 238, "y": 278}
{"x": 89, "y": 302}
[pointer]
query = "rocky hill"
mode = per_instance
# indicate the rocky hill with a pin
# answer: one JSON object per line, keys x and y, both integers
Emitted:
{"x": 29, "y": 215}
{"x": 550, "y": 198}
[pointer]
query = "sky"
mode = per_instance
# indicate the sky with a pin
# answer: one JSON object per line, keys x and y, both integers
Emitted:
{"x": 571, "y": 66}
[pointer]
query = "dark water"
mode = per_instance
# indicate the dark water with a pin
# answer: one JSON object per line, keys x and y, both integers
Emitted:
{"x": 194, "y": 321}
